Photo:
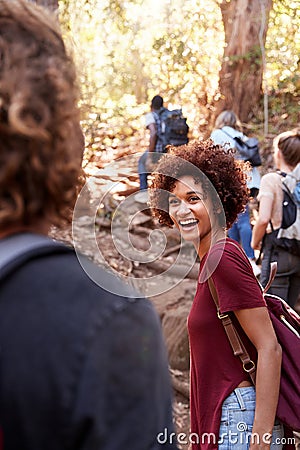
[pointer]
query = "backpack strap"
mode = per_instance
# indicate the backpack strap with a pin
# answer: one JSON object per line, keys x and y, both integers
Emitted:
{"x": 234, "y": 137}
{"x": 273, "y": 270}
{"x": 233, "y": 336}
{"x": 17, "y": 249}
{"x": 227, "y": 134}
{"x": 234, "y": 339}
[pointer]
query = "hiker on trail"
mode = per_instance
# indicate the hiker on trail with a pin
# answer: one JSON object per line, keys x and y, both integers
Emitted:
{"x": 155, "y": 149}
{"x": 227, "y": 126}
{"x": 286, "y": 147}
{"x": 80, "y": 366}
{"x": 200, "y": 189}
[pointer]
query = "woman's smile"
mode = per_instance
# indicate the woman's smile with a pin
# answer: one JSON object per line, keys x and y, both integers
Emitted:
{"x": 188, "y": 223}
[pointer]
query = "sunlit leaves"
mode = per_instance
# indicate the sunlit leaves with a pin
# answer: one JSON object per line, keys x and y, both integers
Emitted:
{"x": 129, "y": 50}
{"x": 283, "y": 44}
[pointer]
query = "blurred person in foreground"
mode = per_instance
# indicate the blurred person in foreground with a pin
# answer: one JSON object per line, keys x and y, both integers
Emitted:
{"x": 80, "y": 367}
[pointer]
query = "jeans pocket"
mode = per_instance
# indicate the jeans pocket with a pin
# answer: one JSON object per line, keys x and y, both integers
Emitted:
{"x": 235, "y": 430}
{"x": 277, "y": 437}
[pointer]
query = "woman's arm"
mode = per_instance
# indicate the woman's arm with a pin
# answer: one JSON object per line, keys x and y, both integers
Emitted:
{"x": 257, "y": 325}
{"x": 264, "y": 217}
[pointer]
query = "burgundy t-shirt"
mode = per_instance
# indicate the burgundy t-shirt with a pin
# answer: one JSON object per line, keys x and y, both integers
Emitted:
{"x": 215, "y": 371}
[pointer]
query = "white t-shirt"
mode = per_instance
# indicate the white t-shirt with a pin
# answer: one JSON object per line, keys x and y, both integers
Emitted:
{"x": 149, "y": 118}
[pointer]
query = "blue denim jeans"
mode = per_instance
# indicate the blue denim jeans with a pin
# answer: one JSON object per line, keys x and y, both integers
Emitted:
{"x": 241, "y": 232}
{"x": 143, "y": 175}
{"x": 142, "y": 170}
{"x": 237, "y": 421}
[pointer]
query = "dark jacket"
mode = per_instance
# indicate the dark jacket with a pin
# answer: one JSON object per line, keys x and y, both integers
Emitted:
{"x": 80, "y": 367}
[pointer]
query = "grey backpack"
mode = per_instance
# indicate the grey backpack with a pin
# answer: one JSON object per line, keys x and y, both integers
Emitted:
{"x": 288, "y": 235}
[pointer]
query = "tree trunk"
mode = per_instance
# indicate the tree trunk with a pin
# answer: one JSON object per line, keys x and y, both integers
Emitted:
{"x": 240, "y": 79}
{"x": 50, "y": 4}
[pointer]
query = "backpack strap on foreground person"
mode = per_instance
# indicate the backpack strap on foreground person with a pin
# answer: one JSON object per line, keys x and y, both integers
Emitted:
{"x": 286, "y": 323}
{"x": 17, "y": 249}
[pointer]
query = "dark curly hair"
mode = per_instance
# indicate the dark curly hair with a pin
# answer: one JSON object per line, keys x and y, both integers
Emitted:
{"x": 203, "y": 160}
{"x": 41, "y": 142}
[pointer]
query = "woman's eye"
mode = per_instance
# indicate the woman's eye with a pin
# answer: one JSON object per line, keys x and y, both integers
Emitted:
{"x": 194, "y": 198}
{"x": 173, "y": 201}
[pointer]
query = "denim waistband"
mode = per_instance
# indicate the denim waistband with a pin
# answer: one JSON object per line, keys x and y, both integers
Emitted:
{"x": 241, "y": 395}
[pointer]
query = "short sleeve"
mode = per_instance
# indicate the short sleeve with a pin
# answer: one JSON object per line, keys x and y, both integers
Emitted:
{"x": 149, "y": 119}
{"x": 267, "y": 185}
{"x": 235, "y": 282}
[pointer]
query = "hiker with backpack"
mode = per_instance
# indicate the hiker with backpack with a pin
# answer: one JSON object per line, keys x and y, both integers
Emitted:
{"x": 155, "y": 149}
{"x": 82, "y": 362}
{"x": 200, "y": 188}
{"x": 166, "y": 128}
{"x": 277, "y": 229}
{"x": 227, "y": 132}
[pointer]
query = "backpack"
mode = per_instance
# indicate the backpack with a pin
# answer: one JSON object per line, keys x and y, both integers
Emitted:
{"x": 286, "y": 324}
{"x": 173, "y": 128}
{"x": 248, "y": 149}
{"x": 288, "y": 235}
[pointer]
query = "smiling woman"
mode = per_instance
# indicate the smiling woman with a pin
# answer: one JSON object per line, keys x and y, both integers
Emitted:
{"x": 201, "y": 188}
{"x": 189, "y": 212}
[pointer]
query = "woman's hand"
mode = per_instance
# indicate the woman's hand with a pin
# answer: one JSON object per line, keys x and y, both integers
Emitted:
{"x": 260, "y": 441}
{"x": 255, "y": 245}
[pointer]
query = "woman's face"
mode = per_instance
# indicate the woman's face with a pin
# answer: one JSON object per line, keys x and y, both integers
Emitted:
{"x": 188, "y": 210}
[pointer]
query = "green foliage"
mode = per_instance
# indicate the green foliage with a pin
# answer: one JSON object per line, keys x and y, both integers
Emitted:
{"x": 283, "y": 45}
{"x": 129, "y": 50}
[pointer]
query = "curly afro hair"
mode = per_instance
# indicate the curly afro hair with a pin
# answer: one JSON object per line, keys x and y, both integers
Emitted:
{"x": 41, "y": 142}
{"x": 203, "y": 160}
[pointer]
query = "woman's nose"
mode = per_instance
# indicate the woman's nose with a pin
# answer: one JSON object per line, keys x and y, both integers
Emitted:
{"x": 183, "y": 209}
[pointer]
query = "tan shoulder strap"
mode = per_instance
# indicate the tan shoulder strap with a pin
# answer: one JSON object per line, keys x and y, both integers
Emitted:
{"x": 273, "y": 270}
{"x": 231, "y": 332}
{"x": 234, "y": 339}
